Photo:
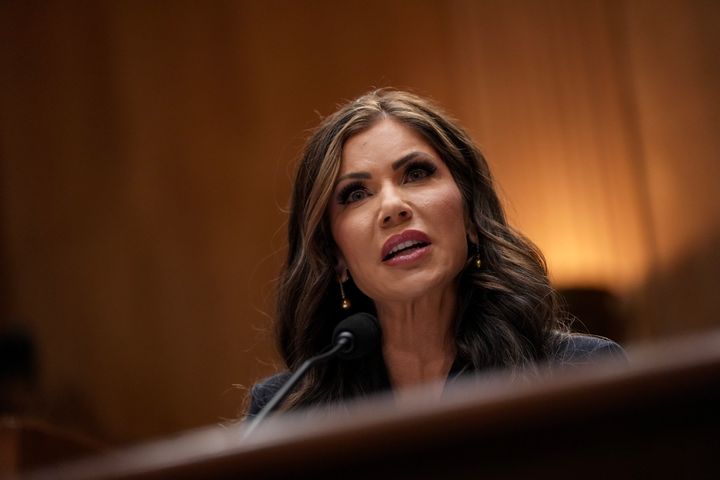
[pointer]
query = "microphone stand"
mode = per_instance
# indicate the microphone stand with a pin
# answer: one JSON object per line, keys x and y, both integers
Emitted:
{"x": 344, "y": 341}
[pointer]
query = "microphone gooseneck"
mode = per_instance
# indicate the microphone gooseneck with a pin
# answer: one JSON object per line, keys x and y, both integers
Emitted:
{"x": 353, "y": 338}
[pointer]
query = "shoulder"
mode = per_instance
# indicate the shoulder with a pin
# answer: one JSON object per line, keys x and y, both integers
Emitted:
{"x": 264, "y": 390}
{"x": 574, "y": 349}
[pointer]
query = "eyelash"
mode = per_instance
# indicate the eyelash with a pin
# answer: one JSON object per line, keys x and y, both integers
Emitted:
{"x": 427, "y": 168}
{"x": 420, "y": 165}
{"x": 347, "y": 190}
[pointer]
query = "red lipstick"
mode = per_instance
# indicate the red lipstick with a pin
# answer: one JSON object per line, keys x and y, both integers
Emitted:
{"x": 405, "y": 247}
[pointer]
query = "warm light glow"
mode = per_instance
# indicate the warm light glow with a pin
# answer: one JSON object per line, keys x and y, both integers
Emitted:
{"x": 581, "y": 207}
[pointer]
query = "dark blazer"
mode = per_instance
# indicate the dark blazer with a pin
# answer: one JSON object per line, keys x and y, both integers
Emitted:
{"x": 573, "y": 350}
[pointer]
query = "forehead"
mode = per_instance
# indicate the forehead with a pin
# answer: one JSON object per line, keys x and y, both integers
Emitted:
{"x": 385, "y": 141}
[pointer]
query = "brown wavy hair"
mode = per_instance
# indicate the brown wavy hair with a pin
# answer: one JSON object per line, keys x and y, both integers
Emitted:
{"x": 506, "y": 310}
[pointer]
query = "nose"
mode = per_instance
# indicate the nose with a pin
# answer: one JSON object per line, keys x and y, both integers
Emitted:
{"x": 394, "y": 210}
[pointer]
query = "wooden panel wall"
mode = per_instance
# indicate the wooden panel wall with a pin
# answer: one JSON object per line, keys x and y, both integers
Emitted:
{"x": 673, "y": 61}
{"x": 146, "y": 149}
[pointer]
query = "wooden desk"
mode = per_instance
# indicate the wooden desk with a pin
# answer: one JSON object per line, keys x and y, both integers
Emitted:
{"x": 656, "y": 418}
{"x": 27, "y": 443}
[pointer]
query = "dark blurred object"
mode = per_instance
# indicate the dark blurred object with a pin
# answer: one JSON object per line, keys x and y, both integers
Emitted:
{"x": 17, "y": 370}
{"x": 595, "y": 311}
{"x": 29, "y": 443}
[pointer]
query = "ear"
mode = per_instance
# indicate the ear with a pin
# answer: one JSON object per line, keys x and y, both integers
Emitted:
{"x": 472, "y": 232}
{"x": 341, "y": 270}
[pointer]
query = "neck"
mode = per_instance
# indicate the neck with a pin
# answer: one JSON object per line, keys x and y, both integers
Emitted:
{"x": 418, "y": 338}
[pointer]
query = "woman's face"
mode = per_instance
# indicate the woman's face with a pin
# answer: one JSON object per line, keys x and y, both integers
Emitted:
{"x": 397, "y": 215}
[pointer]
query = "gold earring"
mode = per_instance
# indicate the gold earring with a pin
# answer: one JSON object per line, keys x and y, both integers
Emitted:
{"x": 478, "y": 262}
{"x": 345, "y": 302}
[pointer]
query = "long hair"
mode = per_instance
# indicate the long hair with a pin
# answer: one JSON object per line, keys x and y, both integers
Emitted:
{"x": 506, "y": 310}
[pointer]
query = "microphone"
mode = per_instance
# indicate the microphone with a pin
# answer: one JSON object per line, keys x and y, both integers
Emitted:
{"x": 362, "y": 333}
{"x": 353, "y": 338}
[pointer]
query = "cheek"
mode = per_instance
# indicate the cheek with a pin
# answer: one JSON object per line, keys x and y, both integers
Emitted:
{"x": 449, "y": 218}
{"x": 351, "y": 235}
{"x": 448, "y": 210}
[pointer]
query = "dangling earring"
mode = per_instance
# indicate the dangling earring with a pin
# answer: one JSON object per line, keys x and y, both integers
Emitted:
{"x": 345, "y": 302}
{"x": 478, "y": 262}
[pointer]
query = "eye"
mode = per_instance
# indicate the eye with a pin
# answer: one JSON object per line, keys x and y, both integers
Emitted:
{"x": 419, "y": 170}
{"x": 351, "y": 193}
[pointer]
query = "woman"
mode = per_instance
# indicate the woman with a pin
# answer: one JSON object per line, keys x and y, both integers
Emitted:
{"x": 394, "y": 212}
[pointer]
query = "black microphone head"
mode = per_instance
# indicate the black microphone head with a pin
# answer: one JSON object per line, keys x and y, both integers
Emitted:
{"x": 364, "y": 331}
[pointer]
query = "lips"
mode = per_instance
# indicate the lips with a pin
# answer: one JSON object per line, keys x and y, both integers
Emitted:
{"x": 407, "y": 241}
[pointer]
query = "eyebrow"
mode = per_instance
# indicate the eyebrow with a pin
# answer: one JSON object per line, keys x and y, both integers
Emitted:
{"x": 406, "y": 158}
{"x": 395, "y": 165}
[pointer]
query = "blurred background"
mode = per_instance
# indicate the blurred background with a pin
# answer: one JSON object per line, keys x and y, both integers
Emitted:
{"x": 146, "y": 151}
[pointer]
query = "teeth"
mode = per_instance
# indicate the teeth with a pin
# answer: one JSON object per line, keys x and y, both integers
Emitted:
{"x": 403, "y": 245}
